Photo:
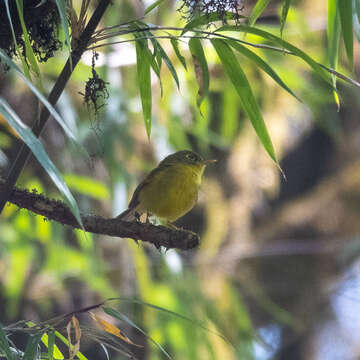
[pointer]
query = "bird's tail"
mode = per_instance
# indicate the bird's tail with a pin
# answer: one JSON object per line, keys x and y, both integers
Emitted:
{"x": 127, "y": 215}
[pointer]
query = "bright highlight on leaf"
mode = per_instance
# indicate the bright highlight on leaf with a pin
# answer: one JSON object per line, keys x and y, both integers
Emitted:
{"x": 257, "y": 10}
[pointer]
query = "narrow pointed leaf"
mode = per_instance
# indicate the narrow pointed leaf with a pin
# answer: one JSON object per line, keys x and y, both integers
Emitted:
{"x": 257, "y": 10}
{"x": 166, "y": 59}
{"x": 39, "y": 152}
{"x": 4, "y": 345}
{"x": 153, "y": 6}
{"x": 144, "y": 82}
{"x": 61, "y": 5}
{"x": 284, "y": 14}
{"x": 31, "y": 349}
{"x": 118, "y": 315}
{"x": 284, "y": 44}
{"x": 175, "y": 45}
{"x": 260, "y": 63}
{"x": 201, "y": 69}
{"x": 247, "y": 99}
{"x": 46, "y": 103}
{"x": 334, "y": 30}
{"x": 208, "y": 19}
{"x": 345, "y": 11}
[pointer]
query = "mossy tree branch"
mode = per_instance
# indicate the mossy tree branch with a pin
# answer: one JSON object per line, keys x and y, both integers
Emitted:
{"x": 58, "y": 211}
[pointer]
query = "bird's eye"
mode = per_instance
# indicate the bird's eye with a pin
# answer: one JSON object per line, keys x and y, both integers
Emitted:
{"x": 191, "y": 157}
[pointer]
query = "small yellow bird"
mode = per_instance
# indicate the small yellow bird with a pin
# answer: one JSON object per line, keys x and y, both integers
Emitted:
{"x": 170, "y": 190}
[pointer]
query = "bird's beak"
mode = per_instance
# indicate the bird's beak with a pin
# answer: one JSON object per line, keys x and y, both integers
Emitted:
{"x": 207, "y": 162}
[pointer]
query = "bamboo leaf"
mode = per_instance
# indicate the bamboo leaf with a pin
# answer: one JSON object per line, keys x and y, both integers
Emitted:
{"x": 46, "y": 103}
{"x": 333, "y": 41}
{"x": 31, "y": 350}
{"x": 175, "y": 45}
{"x": 257, "y": 10}
{"x": 4, "y": 345}
{"x": 345, "y": 11}
{"x": 201, "y": 69}
{"x": 118, "y": 315}
{"x": 284, "y": 14}
{"x": 247, "y": 99}
{"x": 260, "y": 63}
{"x": 61, "y": 5}
{"x": 284, "y": 44}
{"x": 38, "y": 150}
{"x": 166, "y": 59}
{"x": 153, "y": 6}
{"x": 144, "y": 81}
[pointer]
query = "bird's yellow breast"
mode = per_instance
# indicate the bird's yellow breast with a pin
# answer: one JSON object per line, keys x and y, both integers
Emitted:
{"x": 172, "y": 191}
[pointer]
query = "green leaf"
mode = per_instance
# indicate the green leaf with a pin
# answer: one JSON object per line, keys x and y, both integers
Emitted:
{"x": 247, "y": 99}
{"x": 260, "y": 63}
{"x": 30, "y": 56}
{"x": 345, "y": 11}
{"x": 46, "y": 103}
{"x": 80, "y": 355}
{"x": 153, "y": 6}
{"x": 53, "y": 351}
{"x": 333, "y": 41}
{"x": 357, "y": 8}
{"x": 284, "y": 13}
{"x": 175, "y": 45}
{"x": 144, "y": 81}
{"x": 31, "y": 350}
{"x": 208, "y": 19}
{"x": 38, "y": 150}
{"x": 4, "y": 345}
{"x": 61, "y": 5}
{"x": 257, "y": 10}
{"x": 18, "y": 51}
{"x": 118, "y": 315}
{"x": 284, "y": 44}
{"x": 201, "y": 69}
{"x": 166, "y": 59}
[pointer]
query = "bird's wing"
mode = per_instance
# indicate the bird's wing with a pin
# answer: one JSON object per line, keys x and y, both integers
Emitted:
{"x": 134, "y": 202}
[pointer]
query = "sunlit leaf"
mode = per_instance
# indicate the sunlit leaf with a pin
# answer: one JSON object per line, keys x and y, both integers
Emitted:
{"x": 144, "y": 82}
{"x": 260, "y": 63}
{"x": 116, "y": 314}
{"x": 247, "y": 99}
{"x": 257, "y": 10}
{"x": 208, "y": 19}
{"x": 175, "y": 45}
{"x": 53, "y": 351}
{"x": 284, "y": 13}
{"x": 153, "y": 6}
{"x": 80, "y": 355}
{"x": 32, "y": 346}
{"x": 4, "y": 345}
{"x": 201, "y": 69}
{"x": 284, "y": 44}
{"x": 38, "y": 150}
{"x": 345, "y": 11}
{"x": 46, "y": 103}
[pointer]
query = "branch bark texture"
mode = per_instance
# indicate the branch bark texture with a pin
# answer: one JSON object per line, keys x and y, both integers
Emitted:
{"x": 58, "y": 211}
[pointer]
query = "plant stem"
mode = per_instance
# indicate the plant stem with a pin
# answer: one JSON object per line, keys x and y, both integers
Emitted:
{"x": 24, "y": 152}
